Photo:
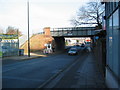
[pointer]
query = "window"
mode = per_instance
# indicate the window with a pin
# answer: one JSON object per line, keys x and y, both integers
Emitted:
{"x": 110, "y": 42}
{"x": 115, "y": 42}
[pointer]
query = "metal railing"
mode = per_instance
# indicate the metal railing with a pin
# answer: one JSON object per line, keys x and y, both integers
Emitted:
{"x": 73, "y": 31}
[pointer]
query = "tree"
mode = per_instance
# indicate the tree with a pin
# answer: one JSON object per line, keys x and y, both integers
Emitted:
{"x": 12, "y": 30}
{"x": 91, "y": 13}
{"x": 1, "y": 31}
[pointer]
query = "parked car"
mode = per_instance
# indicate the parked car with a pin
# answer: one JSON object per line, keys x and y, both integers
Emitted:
{"x": 77, "y": 47}
{"x": 88, "y": 49}
{"x": 82, "y": 45}
{"x": 73, "y": 51}
{"x": 87, "y": 44}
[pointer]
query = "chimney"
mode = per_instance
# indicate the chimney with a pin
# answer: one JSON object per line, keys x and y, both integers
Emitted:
{"x": 47, "y": 31}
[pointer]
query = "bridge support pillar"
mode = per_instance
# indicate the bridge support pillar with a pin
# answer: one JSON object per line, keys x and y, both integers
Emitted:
{"x": 60, "y": 43}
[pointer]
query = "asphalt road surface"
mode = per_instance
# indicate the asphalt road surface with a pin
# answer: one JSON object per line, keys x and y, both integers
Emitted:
{"x": 33, "y": 73}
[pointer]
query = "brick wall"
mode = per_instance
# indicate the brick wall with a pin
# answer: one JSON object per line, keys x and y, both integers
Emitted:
{"x": 47, "y": 31}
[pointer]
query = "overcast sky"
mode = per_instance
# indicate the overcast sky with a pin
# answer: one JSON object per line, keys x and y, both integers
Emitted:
{"x": 43, "y": 13}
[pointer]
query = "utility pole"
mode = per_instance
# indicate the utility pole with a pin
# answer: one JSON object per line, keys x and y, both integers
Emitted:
{"x": 28, "y": 30}
{"x": 18, "y": 40}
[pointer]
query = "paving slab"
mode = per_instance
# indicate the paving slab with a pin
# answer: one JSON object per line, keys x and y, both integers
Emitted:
{"x": 84, "y": 74}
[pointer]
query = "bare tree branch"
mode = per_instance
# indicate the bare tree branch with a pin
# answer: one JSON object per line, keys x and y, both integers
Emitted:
{"x": 1, "y": 31}
{"x": 92, "y": 12}
{"x": 12, "y": 30}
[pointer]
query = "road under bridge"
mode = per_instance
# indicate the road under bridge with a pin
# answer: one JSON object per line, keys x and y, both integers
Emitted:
{"x": 59, "y": 34}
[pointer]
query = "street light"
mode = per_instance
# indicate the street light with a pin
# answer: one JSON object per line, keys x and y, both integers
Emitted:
{"x": 28, "y": 30}
{"x": 18, "y": 40}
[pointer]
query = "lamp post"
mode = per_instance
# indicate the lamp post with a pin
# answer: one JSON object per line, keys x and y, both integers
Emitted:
{"x": 28, "y": 30}
{"x": 18, "y": 40}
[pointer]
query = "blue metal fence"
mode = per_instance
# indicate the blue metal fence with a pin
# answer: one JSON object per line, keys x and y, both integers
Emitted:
{"x": 9, "y": 49}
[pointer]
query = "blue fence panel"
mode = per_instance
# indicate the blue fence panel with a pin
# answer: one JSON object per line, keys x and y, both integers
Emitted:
{"x": 9, "y": 49}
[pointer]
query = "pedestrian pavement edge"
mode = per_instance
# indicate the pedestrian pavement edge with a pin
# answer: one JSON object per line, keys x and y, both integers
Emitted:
{"x": 58, "y": 73}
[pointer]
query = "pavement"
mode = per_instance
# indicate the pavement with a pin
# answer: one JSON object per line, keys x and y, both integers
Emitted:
{"x": 13, "y": 59}
{"x": 83, "y": 73}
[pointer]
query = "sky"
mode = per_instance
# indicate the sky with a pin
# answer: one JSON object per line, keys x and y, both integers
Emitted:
{"x": 42, "y": 13}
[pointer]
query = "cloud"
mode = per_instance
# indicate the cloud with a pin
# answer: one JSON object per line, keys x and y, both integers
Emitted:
{"x": 43, "y": 13}
{"x": 58, "y": 1}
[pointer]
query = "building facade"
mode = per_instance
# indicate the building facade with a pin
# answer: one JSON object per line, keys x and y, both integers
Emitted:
{"x": 112, "y": 17}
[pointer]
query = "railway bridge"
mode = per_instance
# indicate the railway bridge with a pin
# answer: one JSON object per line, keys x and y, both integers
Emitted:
{"x": 59, "y": 34}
